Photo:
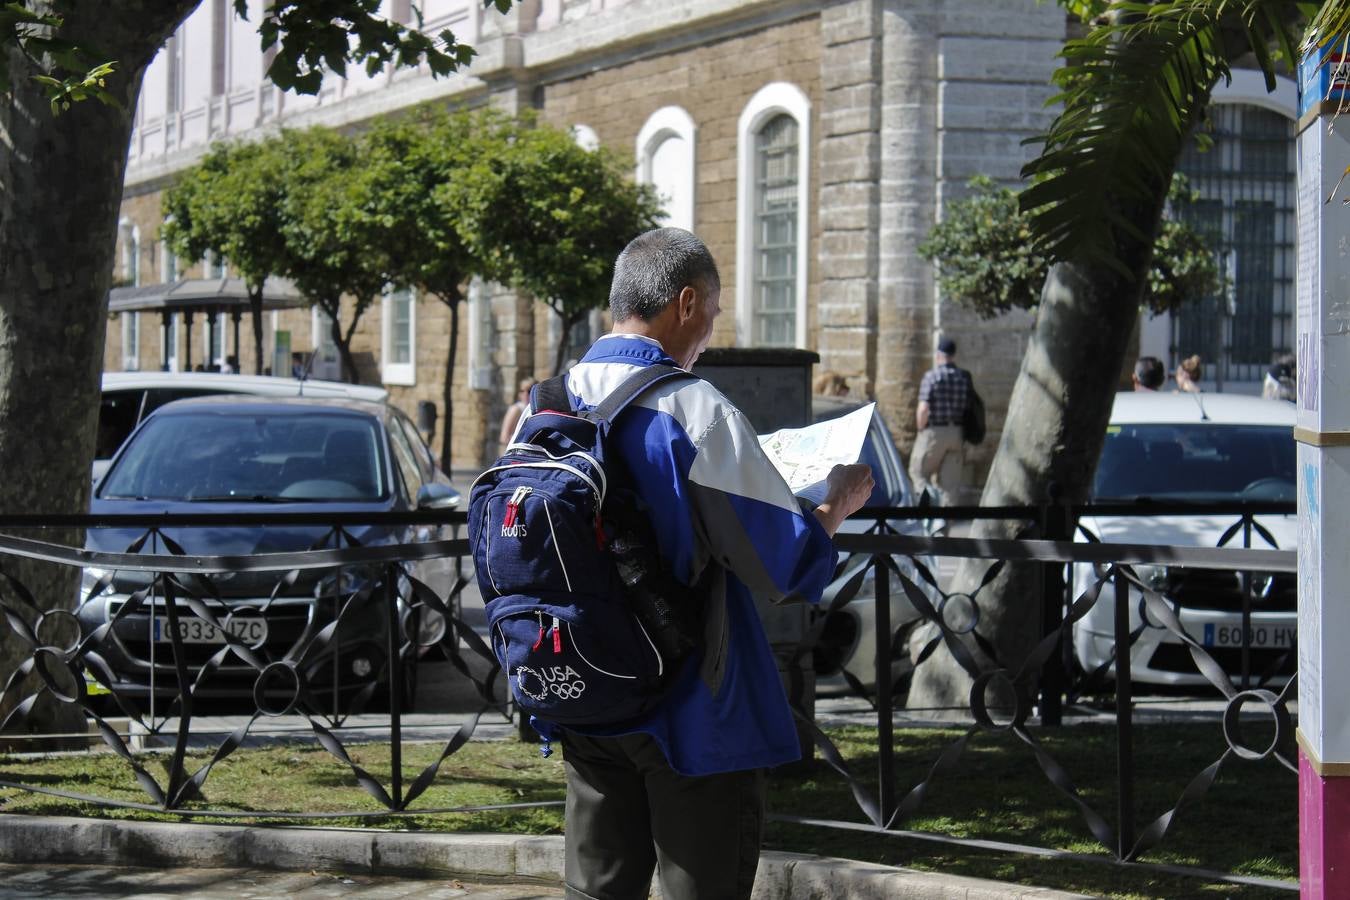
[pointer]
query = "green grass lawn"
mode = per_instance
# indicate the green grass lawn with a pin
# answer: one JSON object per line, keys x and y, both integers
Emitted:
{"x": 1247, "y": 824}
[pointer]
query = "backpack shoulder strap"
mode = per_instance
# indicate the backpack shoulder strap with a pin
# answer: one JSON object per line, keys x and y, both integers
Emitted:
{"x": 634, "y": 386}
{"x": 551, "y": 394}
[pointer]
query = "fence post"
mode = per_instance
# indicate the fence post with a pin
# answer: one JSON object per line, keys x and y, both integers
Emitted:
{"x": 1246, "y": 606}
{"x": 885, "y": 706}
{"x": 395, "y": 686}
{"x": 1124, "y": 719}
{"x": 1054, "y": 518}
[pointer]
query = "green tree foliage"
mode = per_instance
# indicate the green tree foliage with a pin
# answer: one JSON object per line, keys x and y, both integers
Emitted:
{"x": 334, "y": 242}
{"x": 425, "y": 201}
{"x": 549, "y": 217}
{"x": 67, "y": 71}
{"x": 229, "y": 204}
{"x": 988, "y": 261}
{"x": 406, "y": 161}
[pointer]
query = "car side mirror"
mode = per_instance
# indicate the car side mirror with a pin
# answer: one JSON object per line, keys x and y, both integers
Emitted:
{"x": 437, "y": 496}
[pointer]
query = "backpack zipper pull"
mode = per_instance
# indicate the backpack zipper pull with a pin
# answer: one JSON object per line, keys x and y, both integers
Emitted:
{"x": 599, "y": 533}
{"x": 539, "y": 640}
{"x": 513, "y": 505}
{"x": 557, "y": 636}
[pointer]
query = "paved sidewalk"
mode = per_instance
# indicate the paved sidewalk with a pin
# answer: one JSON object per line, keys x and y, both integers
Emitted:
{"x": 240, "y": 884}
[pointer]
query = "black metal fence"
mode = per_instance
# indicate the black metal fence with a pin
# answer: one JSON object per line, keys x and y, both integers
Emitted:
{"x": 339, "y": 629}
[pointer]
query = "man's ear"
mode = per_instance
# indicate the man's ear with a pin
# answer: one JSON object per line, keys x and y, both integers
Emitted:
{"x": 688, "y": 303}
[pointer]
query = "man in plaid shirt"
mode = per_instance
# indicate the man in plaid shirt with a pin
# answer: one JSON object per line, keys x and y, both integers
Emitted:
{"x": 938, "y": 457}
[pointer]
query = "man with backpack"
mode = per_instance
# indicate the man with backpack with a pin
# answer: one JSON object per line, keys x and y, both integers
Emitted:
{"x": 946, "y": 398}
{"x": 680, "y": 786}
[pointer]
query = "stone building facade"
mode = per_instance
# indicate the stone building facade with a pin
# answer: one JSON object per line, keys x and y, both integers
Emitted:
{"x": 811, "y": 145}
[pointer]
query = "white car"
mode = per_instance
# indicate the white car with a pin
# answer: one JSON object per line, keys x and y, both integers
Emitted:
{"x": 128, "y": 397}
{"x": 1174, "y": 448}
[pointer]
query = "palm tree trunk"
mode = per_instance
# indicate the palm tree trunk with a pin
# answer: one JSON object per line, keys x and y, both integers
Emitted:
{"x": 1060, "y": 406}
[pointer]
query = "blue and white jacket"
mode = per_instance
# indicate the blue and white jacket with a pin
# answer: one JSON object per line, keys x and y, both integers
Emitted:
{"x": 697, "y": 460}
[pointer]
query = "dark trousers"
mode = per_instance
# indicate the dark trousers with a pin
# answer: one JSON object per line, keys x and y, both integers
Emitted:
{"x": 628, "y": 811}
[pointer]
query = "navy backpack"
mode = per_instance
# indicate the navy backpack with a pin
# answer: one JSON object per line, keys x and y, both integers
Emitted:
{"x": 562, "y": 618}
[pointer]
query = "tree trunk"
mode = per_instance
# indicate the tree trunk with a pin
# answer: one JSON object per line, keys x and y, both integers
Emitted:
{"x": 343, "y": 344}
{"x": 61, "y": 178}
{"x": 447, "y": 394}
{"x": 560, "y": 353}
{"x": 1059, "y": 410}
{"x": 255, "y": 309}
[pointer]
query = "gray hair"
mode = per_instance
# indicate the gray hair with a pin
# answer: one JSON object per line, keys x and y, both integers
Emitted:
{"x": 653, "y": 269}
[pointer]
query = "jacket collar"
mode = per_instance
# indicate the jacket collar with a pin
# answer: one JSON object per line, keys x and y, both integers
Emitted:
{"x": 627, "y": 348}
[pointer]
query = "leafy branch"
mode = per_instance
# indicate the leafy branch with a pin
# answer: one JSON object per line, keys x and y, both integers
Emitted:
{"x": 67, "y": 71}
{"x": 988, "y": 262}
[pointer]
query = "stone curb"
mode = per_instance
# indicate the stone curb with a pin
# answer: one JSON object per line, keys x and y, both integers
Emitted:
{"x": 483, "y": 857}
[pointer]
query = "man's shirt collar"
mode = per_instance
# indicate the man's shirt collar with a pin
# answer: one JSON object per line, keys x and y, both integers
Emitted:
{"x": 627, "y": 348}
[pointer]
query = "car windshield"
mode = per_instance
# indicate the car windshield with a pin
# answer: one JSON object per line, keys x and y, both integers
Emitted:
{"x": 1196, "y": 462}
{"x": 251, "y": 457}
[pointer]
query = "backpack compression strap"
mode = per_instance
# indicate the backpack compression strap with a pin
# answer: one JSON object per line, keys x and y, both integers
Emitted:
{"x": 552, "y": 394}
{"x": 634, "y": 386}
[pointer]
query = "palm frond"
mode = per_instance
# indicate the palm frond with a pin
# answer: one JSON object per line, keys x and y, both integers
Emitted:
{"x": 1330, "y": 20}
{"x": 1131, "y": 90}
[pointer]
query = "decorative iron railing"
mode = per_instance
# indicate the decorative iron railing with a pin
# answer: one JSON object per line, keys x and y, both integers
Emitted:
{"x": 157, "y": 631}
{"x": 1046, "y": 677}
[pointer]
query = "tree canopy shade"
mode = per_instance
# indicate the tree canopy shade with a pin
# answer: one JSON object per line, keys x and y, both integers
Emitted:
{"x": 60, "y": 195}
{"x": 549, "y": 217}
{"x": 988, "y": 262}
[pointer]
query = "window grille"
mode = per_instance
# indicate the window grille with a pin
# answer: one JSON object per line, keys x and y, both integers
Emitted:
{"x": 1246, "y": 182}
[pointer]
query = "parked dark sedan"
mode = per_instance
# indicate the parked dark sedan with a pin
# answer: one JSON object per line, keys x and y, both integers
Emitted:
{"x": 251, "y": 456}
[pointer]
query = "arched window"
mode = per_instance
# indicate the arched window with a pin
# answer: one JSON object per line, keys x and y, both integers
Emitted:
{"x": 665, "y": 156}
{"x": 1244, "y": 174}
{"x": 772, "y": 232}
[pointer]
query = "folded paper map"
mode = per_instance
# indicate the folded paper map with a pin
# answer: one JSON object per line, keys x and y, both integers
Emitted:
{"x": 805, "y": 456}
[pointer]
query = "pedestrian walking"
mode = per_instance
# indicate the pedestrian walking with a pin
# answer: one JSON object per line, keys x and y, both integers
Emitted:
{"x": 679, "y": 789}
{"x": 511, "y": 420}
{"x": 936, "y": 464}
